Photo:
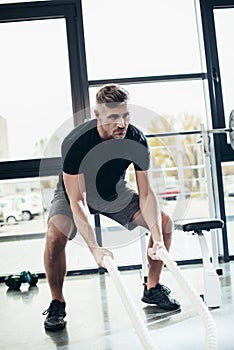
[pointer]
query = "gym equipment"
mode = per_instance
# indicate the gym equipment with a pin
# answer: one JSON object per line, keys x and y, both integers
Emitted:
{"x": 231, "y": 127}
{"x": 141, "y": 329}
{"x": 128, "y": 303}
{"x": 229, "y": 131}
{"x": 202, "y": 309}
{"x": 210, "y": 178}
{"x": 211, "y": 198}
{"x": 212, "y": 211}
{"x": 14, "y": 281}
{"x": 212, "y": 295}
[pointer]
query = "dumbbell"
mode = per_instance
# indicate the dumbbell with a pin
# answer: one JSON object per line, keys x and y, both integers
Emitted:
{"x": 14, "y": 281}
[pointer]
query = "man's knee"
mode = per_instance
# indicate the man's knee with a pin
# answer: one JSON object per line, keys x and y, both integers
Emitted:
{"x": 60, "y": 225}
{"x": 58, "y": 233}
{"x": 55, "y": 242}
{"x": 167, "y": 223}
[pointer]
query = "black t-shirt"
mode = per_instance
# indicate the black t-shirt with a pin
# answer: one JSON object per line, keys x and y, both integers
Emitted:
{"x": 103, "y": 162}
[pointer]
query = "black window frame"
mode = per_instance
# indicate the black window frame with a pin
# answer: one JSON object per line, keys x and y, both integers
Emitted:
{"x": 213, "y": 73}
{"x": 223, "y": 150}
{"x": 71, "y": 10}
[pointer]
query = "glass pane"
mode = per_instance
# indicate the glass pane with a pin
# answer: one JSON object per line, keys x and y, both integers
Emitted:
{"x": 181, "y": 188}
{"x": 228, "y": 183}
{"x": 181, "y": 103}
{"x": 137, "y": 38}
{"x": 23, "y": 221}
{"x": 224, "y": 25}
{"x": 177, "y": 165}
{"x": 179, "y": 179}
{"x": 24, "y": 206}
{"x": 34, "y": 86}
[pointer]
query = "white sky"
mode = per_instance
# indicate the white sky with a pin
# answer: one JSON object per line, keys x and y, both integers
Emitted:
{"x": 34, "y": 86}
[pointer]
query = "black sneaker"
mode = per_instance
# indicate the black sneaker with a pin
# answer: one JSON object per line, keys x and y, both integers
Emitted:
{"x": 55, "y": 316}
{"x": 160, "y": 295}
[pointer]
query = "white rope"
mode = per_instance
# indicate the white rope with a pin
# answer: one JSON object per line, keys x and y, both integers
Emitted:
{"x": 140, "y": 327}
{"x": 211, "y": 337}
{"x": 131, "y": 308}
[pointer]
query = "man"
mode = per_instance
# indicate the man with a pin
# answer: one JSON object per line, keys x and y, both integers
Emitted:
{"x": 95, "y": 157}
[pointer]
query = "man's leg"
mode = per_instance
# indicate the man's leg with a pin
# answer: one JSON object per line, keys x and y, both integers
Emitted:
{"x": 155, "y": 266}
{"x": 59, "y": 230}
{"x": 156, "y": 293}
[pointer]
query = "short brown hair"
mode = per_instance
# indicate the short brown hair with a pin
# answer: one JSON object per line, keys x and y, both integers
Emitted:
{"x": 111, "y": 94}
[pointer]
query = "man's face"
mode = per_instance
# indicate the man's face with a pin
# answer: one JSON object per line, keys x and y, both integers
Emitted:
{"x": 112, "y": 122}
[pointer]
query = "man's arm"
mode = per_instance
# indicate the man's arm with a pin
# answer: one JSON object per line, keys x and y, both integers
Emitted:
{"x": 76, "y": 191}
{"x": 150, "y": 210}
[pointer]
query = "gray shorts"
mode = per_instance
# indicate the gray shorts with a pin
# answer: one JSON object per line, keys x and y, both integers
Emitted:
{"x": 60, "y": 205}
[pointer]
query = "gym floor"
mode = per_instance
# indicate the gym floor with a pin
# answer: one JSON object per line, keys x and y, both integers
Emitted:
{"x": 97, "y": 319}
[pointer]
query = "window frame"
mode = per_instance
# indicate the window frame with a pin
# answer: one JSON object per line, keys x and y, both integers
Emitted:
{"x": 223, "y": 150}
{"x": 71, "y": 10}
{"x": 213, "y": 74}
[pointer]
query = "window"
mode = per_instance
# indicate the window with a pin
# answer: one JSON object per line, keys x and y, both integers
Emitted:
{"x": 140, "y": 38}
{"x": 38, "y": 97}
{"x": 177, "y": 167}
{"x": 156, "y": 41}
{"x": 168, "y": 99}
{"x": 124, "y": 40}
{"x": 224, "y": 24}
{"x": 34, "y": 87}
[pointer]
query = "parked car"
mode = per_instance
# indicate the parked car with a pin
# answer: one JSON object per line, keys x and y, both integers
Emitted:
{"x": 30, "y": 205}
{"x": 172, "y": 193}
{"x": 11, "y": 211}
{"x": 230, "y": 190}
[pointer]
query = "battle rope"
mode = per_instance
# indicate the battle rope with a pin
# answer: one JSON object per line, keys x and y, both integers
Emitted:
{"x": 139, "y": 325}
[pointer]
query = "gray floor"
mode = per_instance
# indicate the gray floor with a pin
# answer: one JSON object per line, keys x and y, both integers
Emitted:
{"x": 97, "y": 319}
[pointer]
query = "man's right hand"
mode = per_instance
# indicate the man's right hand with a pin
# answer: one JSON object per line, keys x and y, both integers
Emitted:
{"x": 99, "y": 253}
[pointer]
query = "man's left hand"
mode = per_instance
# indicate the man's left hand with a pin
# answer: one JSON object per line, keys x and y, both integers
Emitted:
{"x": 152, "y": 252}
